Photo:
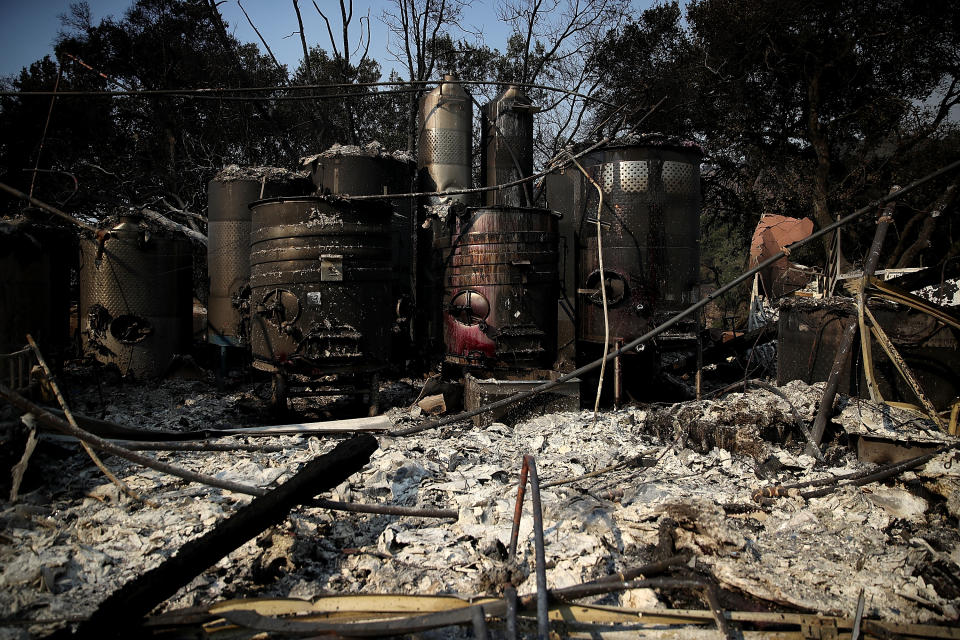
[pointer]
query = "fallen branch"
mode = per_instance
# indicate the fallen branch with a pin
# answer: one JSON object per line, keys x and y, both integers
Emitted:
{"x": 52, "y": 381}
{"x": 97, "y": 442}
{"x": 21, "y": 467}
{"x": 135, "y": 599}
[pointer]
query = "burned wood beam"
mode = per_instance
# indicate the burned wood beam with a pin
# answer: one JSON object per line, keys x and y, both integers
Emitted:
{"x": 135, "y": 599}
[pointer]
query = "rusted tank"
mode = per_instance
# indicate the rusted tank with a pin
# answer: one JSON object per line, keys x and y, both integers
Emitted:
{"x": 228, "y": 232}
{"x": 506, "y": 147}
{"x": 650, "y": 218}
{"x": 500, "y": 288}
{"x": 320, "y": 274}
{"x": 35, "y": 262}
{"x": 445, "y": 125}
{"x": 136, "y": 297}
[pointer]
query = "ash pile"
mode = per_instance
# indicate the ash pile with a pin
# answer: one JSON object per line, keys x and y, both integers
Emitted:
{"x": 716, "y": 500}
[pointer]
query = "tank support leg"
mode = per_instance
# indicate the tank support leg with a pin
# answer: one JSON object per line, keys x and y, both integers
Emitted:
{"x": 617, "y": 377}
{"x": 374, "y": 408}
{"x": 278, "y": 393}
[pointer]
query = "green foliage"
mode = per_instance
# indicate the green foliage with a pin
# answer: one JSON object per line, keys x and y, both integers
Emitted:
{"x": 806, "y": 108}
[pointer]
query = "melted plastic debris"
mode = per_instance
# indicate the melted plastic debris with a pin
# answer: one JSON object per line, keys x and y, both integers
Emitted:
{"x": 75, "y": 540}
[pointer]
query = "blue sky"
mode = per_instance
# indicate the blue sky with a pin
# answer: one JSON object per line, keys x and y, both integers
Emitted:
{"x": 28, "y": 28}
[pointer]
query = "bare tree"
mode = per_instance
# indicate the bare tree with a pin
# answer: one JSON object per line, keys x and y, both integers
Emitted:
{"x": 551, "y": 43}
{"x": 341, "y": 51}
{"x": 417, "y": 25}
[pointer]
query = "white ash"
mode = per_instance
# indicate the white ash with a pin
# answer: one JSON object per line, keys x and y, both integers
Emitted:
{"x": 62, "y": 552}
{"x": 371, "y": 149}
{"x": 233, "y": 173}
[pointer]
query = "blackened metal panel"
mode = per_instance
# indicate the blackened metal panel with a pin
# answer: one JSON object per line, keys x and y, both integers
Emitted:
{"x": 320, "y": 274}
{"x": 136, "y": 301}
{"x": 808, "y": 334}
{"x": 500, "y": 288}
{"x": 650, "y": 239}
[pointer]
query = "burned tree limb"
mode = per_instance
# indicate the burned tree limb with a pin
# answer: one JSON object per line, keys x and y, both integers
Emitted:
{"x": 136, "y": 598}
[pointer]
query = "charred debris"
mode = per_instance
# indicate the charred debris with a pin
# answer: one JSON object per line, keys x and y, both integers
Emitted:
{"x": 409, "y": 406}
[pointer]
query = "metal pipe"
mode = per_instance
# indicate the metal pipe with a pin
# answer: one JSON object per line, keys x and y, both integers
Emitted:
{"x": 384, "y": 509}
{"x": 846, "y": 341}
{"x": 543, "y": 598}
{"x": 479, "y": 622}
{"x": 633, "y": 344}
{"x": 618, "y": 376}
{"x": 510, "y": 594}
{"x": 518, "y": 510}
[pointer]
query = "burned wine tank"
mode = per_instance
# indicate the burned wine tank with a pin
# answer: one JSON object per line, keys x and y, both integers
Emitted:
{"x": 361, "y": 171}
{"x": 136, "y": 296}
{"x": 500, "y": 288}
{"x": 320, "y": 274}
{"x": 650, "y": 236}
{"x": 228, "y": 250}
{"x": 506, "y": 147}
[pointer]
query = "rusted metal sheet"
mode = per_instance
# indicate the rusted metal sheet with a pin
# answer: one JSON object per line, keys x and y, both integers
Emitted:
{"x": 228, "y": 252}
{"x": 773, "y": 233}
{"x": 500, "y": 288}
{"x": 34, "y": 287}
{"x": 506, "y": 147}
{"x": 320, "y": 273}
{"x": 136, "y": 297}
{"x": 650, "y": 248}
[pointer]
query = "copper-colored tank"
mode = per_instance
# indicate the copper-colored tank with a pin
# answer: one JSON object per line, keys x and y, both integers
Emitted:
{"x": 500, "y": 288}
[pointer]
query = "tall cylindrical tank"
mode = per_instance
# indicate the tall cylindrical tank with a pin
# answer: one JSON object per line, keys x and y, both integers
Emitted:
{"x": 651, "y": 194}
{"x": 445, "y": 126}
{"x": 320, "y": 274}
{"x": 35, "y": 286}
{"x": 506, "y": 147}
{"x": 228, "y": 236}
{"x": 500, "y": 288}
{"x": 136, "y": 297}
